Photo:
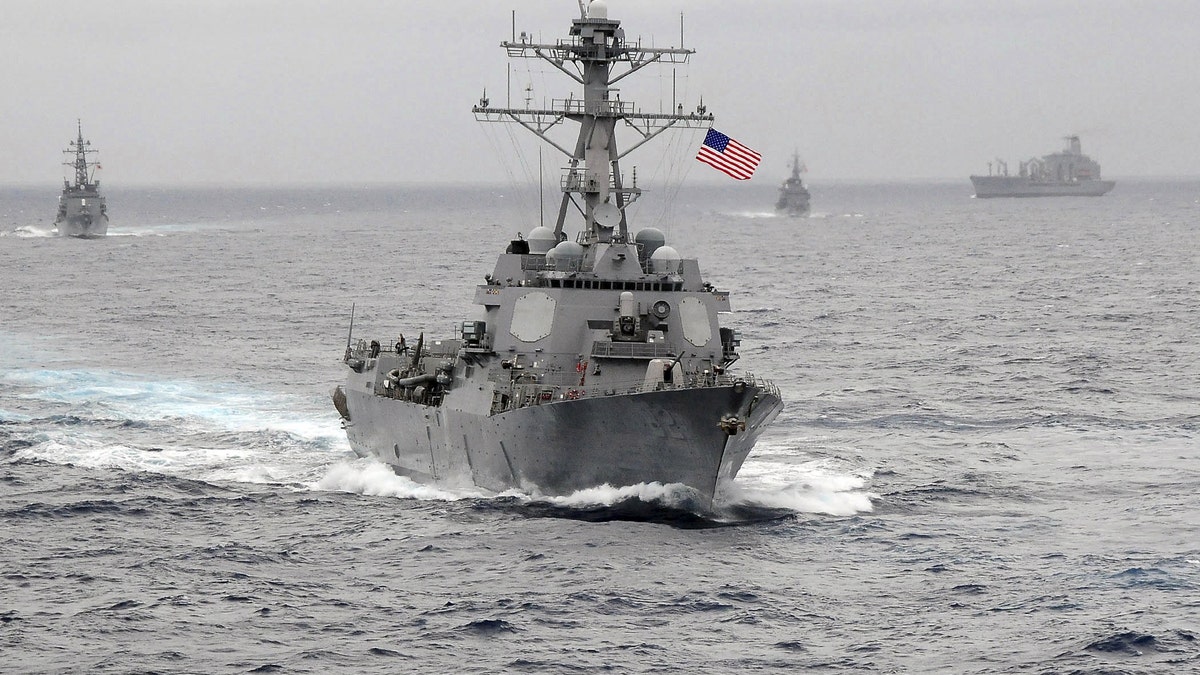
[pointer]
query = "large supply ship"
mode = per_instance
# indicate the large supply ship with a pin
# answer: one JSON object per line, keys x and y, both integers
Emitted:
{"x": 1069, "y": 173}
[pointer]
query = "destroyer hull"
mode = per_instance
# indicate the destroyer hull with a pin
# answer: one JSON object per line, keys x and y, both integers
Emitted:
{"x": 1017, "y": 186}
{"x": 793, "y": 210}
{"x": 82, "y": 218}
{"x": 667, "y": 436}
{"x": 794, "y": 205}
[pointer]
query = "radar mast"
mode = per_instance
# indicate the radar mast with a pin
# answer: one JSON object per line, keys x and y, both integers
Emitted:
{"x": 597, "y": 56}
{"x": 80, "y": 149}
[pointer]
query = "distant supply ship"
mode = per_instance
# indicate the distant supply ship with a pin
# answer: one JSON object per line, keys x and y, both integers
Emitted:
{"x": 595, "y": 359}
{"x": 1069, "y": 173}
{"x": 793, "y": 196}
{"x": 81, "y": 210}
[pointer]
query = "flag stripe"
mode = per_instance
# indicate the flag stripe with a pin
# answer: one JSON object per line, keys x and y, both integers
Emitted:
{"x": 738, "y": 169}
{"x": 727, "y": 155}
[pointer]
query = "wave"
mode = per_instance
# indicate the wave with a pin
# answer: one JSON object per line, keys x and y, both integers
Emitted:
{"x": 166, "y": 229}
{"x": 31, "y": 232}
{"x": 205, "y": 431}
{"x": 375, "y": 479}
{"x": 784, "y": 477}
{"x": 766, "y": 492}
{"x": 38, "y": 232}
{"x": 773, "y": 215}
{"x": 139, "y": 232}
{"x": 134, "y": 398}
{"x": 753, "y": 215}
{"x": 1177, "y": 645}
{"x": 647, "y": 502}
{"x": 125, "y": 230}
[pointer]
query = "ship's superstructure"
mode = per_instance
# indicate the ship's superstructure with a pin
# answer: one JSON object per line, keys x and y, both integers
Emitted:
{"x": 81, "y": 210}
{"x": 596, "y": 358}
{"x": 793, "y": 196}
{"x": 1059, "y": 174}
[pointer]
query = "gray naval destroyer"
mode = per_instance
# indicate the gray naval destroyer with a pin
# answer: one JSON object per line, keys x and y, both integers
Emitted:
{"x": 599, "y": 359}
{"x": 81, "y": 210}
{"x": 1069, "y": 173}
{"x": 793, "y": 196}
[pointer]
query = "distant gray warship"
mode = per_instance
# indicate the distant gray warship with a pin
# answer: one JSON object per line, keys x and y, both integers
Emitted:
{"x": 598, "y": 360}
{"x": 1062, "y": 174}
{"x": 793, "y": 196}
{"x": 81, "y": 209}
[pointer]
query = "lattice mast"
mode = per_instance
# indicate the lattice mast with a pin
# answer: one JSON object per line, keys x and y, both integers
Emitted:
{"x": 592, "y": 56}
{"x": 80, "y": 149}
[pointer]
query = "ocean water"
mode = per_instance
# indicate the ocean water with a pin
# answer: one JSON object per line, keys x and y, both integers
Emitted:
{"x": 989, "y": 461}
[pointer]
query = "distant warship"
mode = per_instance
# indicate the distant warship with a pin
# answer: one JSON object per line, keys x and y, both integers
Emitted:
{"x": 81, "y": 209}
{"x": 793, "y": 196}
{"x": 1061, "y": 174}
{"x": 598, "y": 360}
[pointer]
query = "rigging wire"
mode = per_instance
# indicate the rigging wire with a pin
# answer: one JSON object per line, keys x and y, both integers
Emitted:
{"x": 504, "y": 157}
{"x": 674, "y": 162}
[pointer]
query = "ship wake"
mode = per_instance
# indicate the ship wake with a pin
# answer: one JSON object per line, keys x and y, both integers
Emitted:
{"x": 30, "y": 232}
{"x": 212, "y": 432}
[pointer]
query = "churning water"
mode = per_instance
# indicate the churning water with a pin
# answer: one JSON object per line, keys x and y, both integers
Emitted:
{"x": 989, "y": 461}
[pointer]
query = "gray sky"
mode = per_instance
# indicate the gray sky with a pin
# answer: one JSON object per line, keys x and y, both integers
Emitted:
{"x": 350, "y": 91}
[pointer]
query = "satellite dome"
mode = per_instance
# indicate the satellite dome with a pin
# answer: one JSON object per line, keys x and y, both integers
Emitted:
{"x": 598, "y": 10}
{"x": 541, "y": 240}
{"x": 566, "y": 251}
{"x": 650, "y": 239}
{"x": 665, "y": 260}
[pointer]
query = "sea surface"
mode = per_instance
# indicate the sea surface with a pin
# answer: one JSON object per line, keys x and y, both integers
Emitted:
{"x": 989, "y": 461}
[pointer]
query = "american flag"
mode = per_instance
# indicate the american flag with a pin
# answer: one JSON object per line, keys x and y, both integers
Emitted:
{"x": 725, "y": 154}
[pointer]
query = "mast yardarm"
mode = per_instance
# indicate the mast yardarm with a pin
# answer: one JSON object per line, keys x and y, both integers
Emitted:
{"x": 80, "y": 149}
{"x": 597, "y": 56}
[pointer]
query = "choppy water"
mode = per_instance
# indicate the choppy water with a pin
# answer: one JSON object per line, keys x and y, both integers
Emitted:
{"x": 989, "y": 461}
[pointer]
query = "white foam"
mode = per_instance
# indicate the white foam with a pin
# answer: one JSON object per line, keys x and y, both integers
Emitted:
{"x": 9, "y": 416}
{"x": 376, "y": 479}
{"x": 126, "y": 232}
{"x": 832, "y": 499}
{"x": 213, "y": 431}
{"x": 30, "y": 232}
{"x": 368, "y": 476}
{"x": 251, "y": 463}
{"x": 780, "y": 477}
{"x": 752, "y": 215}
{"x": 671, "y": 494}
{"x": 91, "y": 452}
{"x": 219, "y": 405}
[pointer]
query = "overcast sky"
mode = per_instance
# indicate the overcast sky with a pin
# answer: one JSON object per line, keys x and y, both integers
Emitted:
{"x": 351, "y": 91}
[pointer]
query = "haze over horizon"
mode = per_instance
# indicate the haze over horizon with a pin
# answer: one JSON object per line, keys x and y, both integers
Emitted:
{"x": 310, "y": 92}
